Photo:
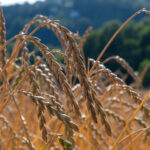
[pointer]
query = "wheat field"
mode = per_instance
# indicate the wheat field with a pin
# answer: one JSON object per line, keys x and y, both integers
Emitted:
{"x": 70, "y": 104}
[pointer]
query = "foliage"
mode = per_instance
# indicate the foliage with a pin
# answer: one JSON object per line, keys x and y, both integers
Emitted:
{"x": 132, "y": 43}
{"x": 77, "y": 15}
{"x": 145, "y": 63}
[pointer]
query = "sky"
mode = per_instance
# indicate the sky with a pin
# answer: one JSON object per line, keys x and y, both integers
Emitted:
{"x": 11, "y": 2}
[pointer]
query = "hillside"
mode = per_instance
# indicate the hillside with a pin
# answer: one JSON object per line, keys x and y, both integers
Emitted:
{"x": 75, "y": 14}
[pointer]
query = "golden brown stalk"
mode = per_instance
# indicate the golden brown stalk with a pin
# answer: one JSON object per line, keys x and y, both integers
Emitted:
{"x": 89, "y": 92}
{"x": 100, "y": 68}
{"x": 2, "y": 37}
{"x": 82, "y": 41}
{"x": 56, "y": 68}
{"x": 127, "y": 104}
{"x": 54, "y": 108}
{"x": 124, "y": 64}
{"x": 7, "y": 133}
{"x": 97, "y": 132}
{"x": 143, "y": 73}
{"x": 134, "y": 95}
{"x": 52, "y": 88}
{"x": 35, "y": 89}
{"x": 130, "y": 120}
{"x": 84, "y": 38}
{"x": 2, "y": 42}
{"x": 73, "y": 53}
{"x": 68, "y": 67}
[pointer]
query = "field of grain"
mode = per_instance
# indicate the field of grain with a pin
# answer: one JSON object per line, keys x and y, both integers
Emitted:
{"x": 69, "y": 104}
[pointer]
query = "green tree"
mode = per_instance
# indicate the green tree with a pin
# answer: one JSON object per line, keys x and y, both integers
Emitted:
{"x": 145, "y": 63}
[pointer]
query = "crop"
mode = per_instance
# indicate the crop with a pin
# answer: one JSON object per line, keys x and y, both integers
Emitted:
{"x": 72, "y": 104}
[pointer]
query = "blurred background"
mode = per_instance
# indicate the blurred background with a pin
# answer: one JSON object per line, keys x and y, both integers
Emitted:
{"x": 105, "y": 16}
